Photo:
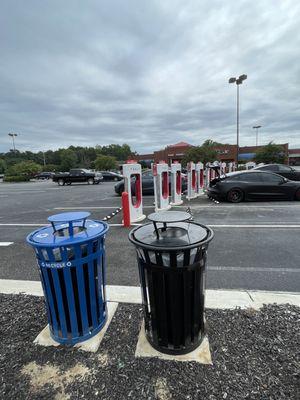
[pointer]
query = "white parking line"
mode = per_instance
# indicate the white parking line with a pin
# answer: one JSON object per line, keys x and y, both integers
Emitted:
{"x": 270, "y": 226}
{"x": 254, "y": 269}
{"x": 5, "y": 244}
{"x": 256, "y": 226}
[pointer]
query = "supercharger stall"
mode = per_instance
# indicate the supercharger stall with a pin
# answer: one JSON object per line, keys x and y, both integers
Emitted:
{"x": 191, "y": 172}
{"x": 161, "y": 186}
{"x": 207, "y": 176}
{"x": 199, "y": 178}
{"x": 132, "y": 172}
{"x": 176, "y": 188}
{"x": 223, "y": 168}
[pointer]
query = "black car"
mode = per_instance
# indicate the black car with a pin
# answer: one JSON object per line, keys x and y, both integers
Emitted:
{"x": 148, "y": 184}
{"x": 44, "y": 175}
{"x": 281, "y": 169}
{"x": 78, "y": 175}
{"x": 111, "y": 176}
{"x": 253, "y": 185}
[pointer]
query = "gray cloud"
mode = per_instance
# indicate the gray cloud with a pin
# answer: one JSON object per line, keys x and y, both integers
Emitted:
{"x": 149, "y": 73}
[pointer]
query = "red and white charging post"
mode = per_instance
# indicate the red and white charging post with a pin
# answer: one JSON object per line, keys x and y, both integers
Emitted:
{"x": 132, "y": 204}
{"x": 199, "y": 178}
{"x": 223, "y": 168}
{"x": 176, "y": 188}
{"x": 161, "y": 186}
{"x": 207, "y": 175}
{"x": 191, "y": 172}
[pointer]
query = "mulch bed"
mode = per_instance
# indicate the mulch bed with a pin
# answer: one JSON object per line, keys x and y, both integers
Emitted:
{"x": 255, "y": 356}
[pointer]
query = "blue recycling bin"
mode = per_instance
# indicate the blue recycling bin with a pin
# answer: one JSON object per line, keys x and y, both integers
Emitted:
{"x": 71, "y": 258}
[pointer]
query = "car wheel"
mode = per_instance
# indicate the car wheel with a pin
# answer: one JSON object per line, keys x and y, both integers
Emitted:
{"x": 69, "y": 183}
{"x": 297, "y": 195}
{"x": 61, "y": 182}
{"x": 235, "y": 195}
{"x": 90, "y": 181}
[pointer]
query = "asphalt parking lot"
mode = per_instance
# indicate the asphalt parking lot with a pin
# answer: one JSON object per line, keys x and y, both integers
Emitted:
{"x": 256, "y": 245}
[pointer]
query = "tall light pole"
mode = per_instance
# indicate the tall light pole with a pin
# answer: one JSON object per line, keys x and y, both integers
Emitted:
{"x": 13, "y": 135}
{"x": 256, "y": 127}
{"x": 238, "y": 82}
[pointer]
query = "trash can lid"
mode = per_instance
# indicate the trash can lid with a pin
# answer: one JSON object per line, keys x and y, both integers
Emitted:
{"x": 166, "y": 233}
{"x": 169, "y": 216}
{"x": 67, "y": 229}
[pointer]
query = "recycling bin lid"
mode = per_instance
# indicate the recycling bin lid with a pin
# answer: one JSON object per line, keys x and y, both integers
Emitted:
{"x": 67, "y": 229}
{"x": 170, "y": 230}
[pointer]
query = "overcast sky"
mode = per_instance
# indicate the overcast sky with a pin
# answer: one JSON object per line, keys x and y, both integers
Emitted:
{"x": 147, "y": 73}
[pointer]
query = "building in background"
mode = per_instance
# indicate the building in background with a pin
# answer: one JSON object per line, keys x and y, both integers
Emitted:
{"x": 294, "y": 157}
{"x": 226, "y": 153}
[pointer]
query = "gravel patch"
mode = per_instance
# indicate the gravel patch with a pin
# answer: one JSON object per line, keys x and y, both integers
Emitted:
{"x": 255, "y": 356}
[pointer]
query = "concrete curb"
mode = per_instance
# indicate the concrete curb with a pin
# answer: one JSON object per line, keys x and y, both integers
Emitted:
{"x": 222, "y": 299}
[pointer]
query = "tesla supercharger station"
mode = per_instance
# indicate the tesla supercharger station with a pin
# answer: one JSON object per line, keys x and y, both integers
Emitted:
{"x": 161, "y": 186}
{"x": 176, "y": 184}
{"x": 207, "y": 175}
{"x": 133, "y": 172}
{"x": 223, "y": 168}
{"x": 230, "y": 167}
{"x": 199, "y": 178}
{"x": 191, "y": 172}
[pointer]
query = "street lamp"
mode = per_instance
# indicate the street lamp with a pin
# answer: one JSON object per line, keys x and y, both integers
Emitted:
{"x": 256, "y": 127}
{"x": 13, "y": 135}
{"x": 238, "y": 82}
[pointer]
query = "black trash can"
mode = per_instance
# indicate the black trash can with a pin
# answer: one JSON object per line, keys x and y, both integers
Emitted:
{"x": 171, "y": 254}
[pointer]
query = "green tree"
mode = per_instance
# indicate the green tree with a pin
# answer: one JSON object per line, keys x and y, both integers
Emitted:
{"x": 2, "y": 166}
{"x": 204, "y": 153}
{"x": 68, "y": 159}
{"x": 271, "y": 153}
{"x": 121, "y": 153}
{"x": 104, "y": 163}
{"x": 24, "y": 168}
{"x": 50, "y": 168}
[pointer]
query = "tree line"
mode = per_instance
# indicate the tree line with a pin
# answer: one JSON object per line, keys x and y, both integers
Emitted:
{"x": 98, "y": 157}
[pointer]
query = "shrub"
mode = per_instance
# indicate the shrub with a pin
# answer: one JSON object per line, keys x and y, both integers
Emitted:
{"x": 15, "y": 178}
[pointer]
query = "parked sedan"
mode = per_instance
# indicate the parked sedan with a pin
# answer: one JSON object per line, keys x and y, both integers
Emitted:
{"x": 44, "y": 175}
{"x": 148, "y": 184}
{"x": 284, "y": 170}
{"x": 111, "y": 176}
{"x": 253, "y": 185}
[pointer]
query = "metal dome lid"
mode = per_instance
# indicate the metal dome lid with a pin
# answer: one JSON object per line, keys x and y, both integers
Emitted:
{"x": 67, "y": 229}
{"x": 170, "y": 230}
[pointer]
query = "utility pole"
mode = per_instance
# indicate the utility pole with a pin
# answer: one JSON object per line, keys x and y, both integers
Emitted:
{"x": 238, "y": 82}
{"x": 13, "y": 135}
{"x": 256, "y": 127}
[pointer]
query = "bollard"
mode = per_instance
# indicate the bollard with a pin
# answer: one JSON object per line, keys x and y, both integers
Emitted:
{"x": 126, "y": 209}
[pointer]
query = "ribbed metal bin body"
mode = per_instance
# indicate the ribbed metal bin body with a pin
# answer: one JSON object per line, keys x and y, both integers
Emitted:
{"x": 173, "y": 292}
{"x": 72, "y": 271}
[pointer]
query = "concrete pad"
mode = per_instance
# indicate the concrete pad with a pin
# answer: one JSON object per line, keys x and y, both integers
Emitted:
{"x": 200, "y": 355}
{"x": 261, "y": 298}
{"x": 124, "y": 294}
{"x": 10, "y": 286}
{"x": 91, "y": 345}
{"x": 227, "y": 299}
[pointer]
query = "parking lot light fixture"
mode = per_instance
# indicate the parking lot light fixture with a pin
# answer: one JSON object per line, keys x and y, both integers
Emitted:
{"x": 238, "y": 82}
{"x": 13, "y": 135}
{"x": 256, "y": 127}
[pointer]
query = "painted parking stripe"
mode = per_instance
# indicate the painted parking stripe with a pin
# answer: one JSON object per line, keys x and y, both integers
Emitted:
{"x": 270, "y": 226}
{"x": 132, "y": 294}
{"x": 254, "y": 269}
{"x": 5, "y": 244}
